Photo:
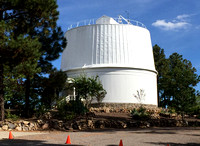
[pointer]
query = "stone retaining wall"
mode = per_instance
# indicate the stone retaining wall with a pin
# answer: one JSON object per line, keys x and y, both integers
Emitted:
{"x": 121, "y": 107}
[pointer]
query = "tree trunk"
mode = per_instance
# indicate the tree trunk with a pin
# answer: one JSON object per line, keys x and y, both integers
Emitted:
{"x": 1, "y": 92}
{"x": 27, "y": 95}
{"x": 1, "y": 81}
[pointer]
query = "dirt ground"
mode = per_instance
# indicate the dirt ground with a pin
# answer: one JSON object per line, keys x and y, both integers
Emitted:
{"x": 176, "y": 136}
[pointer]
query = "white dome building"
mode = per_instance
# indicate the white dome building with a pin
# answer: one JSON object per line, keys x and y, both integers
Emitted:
{"x": 120, "y": 54}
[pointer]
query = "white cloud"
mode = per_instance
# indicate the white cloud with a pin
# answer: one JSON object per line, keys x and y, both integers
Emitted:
{"x": 170, "y": 25}
{"x": 176, "y": 24}
{"x": 182, "y": 17}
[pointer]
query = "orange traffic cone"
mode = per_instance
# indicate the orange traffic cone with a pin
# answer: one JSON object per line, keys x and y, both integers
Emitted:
{"x": 121, "y": 143}
{"x": 10, "y": 135}
{"x": 68, "y": 140}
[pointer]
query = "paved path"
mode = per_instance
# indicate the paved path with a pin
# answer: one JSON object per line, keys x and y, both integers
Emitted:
{"x": 132, "y": 137}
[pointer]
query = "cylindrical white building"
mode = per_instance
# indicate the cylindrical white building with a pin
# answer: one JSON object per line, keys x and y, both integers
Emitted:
{"x": 120, "y": 54}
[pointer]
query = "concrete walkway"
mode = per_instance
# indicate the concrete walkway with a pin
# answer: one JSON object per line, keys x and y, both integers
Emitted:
{"x": 132, "y": 137}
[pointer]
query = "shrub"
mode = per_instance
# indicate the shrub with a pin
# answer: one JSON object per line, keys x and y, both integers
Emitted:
{"x": 140, "y": 114}
{"x": 68, "y": 111}
{"x": 11, "y": 116}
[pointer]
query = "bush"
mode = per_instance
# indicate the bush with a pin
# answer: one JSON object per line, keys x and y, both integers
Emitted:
{"x": 140, "y": 114}
{"x": 40, "y": 111}
{"x": 68, "y": 111}
{"x": 11, "y": 116}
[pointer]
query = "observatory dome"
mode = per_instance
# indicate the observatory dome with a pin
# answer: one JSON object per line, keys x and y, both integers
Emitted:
{"x": 119, "y": 52}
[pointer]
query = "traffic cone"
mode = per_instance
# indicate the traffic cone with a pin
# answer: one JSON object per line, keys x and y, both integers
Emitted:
{"x": 121, "y": 143}
{"x": 10, "y": 135}
{"x": 68, "y": 140}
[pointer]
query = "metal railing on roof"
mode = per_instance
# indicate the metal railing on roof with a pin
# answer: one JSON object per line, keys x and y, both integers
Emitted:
{"x": 120, "y": 20}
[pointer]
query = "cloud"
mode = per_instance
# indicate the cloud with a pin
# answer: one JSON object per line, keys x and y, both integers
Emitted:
{"x": 182, "y": 17}
{"x": 170, "y": 25}
{"x": 178, "y": 23}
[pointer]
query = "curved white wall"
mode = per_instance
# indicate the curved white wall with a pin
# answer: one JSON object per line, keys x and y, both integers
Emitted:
{"x": 108, "y": 44}
{"x": 122, "y": 83}
{"x": 121, "y": 54}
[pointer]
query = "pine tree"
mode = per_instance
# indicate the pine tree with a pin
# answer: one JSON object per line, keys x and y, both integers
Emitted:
{"x": 180, "y": 85}
{"x": 162, "y": 67}
{"x": 14, "y": 51}
{"x": 34, "y": 20}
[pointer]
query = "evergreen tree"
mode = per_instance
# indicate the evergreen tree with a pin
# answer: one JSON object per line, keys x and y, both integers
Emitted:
{"x": 162, "y": 67}
{"x": 35, "y": 20}
{"x": 180, "y": 85}
{"x": 14, "y": 51}
{"x": 176, "y": 81}
{"x": 52, "y": 86}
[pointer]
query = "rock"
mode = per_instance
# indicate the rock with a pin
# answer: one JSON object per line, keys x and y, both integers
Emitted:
{"x": 40, "y": 122}
{"x": 79, "y": 127}
{"x": 26, "y": 122}
{"x": 31, "y": 125}
{"x": 18, "y": 128}
{"x": 48, "y": 115}
{"x": 90, "y": 124}
{"x": 11, "y": 126}
{"x": 107, "y": 110}
{"x": 75, "y": 126}
{"x": 122, "y": 124}
{"x": 100, "y": 124}
{"x": 173, "y": 115}
{"x": 5, "y": 127}
{"x": 25, "y": 128}
{"x": 45, "y": 126}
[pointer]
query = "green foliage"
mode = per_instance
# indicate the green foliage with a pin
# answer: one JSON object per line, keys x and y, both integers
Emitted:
{"x": 176, "y": 81}
{"x": 172, "y": 110}
{"x": 52, "y": 86}
{"x": 39, "y": 111}
{"x": 11, "y": 116}
{"x": 89, "y": 88}
{"x": 140, "y": 113}
{"x": 30, "y": 40}
{"x": 161, "y": 65}
{"x": 68, "y": 111}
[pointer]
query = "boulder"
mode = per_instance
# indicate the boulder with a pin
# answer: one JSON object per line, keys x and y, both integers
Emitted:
{"x": 11, "y": 126}
{"x": 90, "y": 124}
{"x": 5, "y": 127}
{"x": 26, "y": 122}
{"x": 19, "y": 128}
{"x": 25, "y": 128}
{"x": 45, "y": 126}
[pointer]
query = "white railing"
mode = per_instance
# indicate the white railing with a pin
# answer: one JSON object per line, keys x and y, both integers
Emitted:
{"x": 120, "y": 20}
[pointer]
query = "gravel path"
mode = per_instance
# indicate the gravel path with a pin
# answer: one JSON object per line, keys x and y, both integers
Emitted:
{"x": 133, "y": 137}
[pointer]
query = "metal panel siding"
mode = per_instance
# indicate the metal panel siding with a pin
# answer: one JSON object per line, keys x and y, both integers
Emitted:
{"x": 125, "y": 45}
{"x": 120, "y": 54}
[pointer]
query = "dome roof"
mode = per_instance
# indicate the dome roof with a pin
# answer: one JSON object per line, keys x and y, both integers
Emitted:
{"x": 106, "y": 20}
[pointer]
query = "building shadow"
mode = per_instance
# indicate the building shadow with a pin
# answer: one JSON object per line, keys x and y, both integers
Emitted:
{"x": 174, "y": 144}
{"x": 23, "y": 142}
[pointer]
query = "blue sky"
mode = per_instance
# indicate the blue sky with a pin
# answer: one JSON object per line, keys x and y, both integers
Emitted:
{"x": 174, "y": 24}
